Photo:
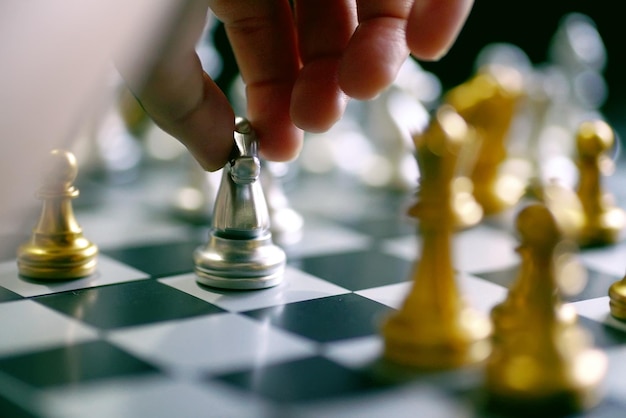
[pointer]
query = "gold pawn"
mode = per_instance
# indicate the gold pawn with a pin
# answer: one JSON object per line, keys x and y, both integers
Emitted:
{"x": 541, "y": 359}
{"x": 434, "y": 329}
{"x": 617, "y": 299}
{"x": 603, "y": 221}
{"x": 57, "y": 249}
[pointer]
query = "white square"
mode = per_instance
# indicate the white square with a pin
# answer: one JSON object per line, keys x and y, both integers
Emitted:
{"x": 480, "y": 294}
{"x": 607, "y": 259}
{"x": 598, "y": 309}
{"x": 296, "y": 286}
{"x": 26, "y": 325}
{"x": 355, "y": 353}
{"x": 391, "y": 295}
{"x": 109, "y": 271}
{"x": 483, "y": 249}
{"x": 320, "y": 238}
{"x": 154, "y": 397}
{"x": 214, "y": 343}
{"x": 614, "y": 381}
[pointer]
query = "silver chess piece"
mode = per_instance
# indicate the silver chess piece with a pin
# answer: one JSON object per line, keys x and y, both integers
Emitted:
{"x": 287, "y": 223}
{"x": 240, "y": 253}
{"x": 194, "y": 201}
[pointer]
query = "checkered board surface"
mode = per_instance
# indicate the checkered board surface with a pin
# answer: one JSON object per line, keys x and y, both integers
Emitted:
{"x": 140, "y": 338}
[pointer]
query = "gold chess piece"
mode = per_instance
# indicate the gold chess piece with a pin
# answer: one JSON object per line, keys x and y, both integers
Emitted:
{"x": 603, "y": 220}
{"x": 488, "y": 102}
{"x": 541, "y": 359}
{"x": 617, "y": 299}
{"x": 435, "y": 329}
{"x": 57, "y": 249}
{"x": 565, "y": 205}
{"x": 466, "y": 211}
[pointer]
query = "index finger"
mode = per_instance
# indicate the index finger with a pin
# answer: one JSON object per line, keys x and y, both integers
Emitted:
{"x": 262, "y": 36}
{"x": 433, "y": 26}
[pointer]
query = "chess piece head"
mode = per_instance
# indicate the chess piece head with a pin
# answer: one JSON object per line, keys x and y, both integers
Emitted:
{"x": 245, "y": 165}
{"x": 537, "y": 227}
{"x": 577, "y": 44}
{"x": 61, "y": 171}
{"x": 594, "y": 138}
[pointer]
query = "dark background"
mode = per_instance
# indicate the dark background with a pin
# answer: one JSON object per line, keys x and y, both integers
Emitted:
{"x": 531, "y": 24}
{"x": 528, "y": 24}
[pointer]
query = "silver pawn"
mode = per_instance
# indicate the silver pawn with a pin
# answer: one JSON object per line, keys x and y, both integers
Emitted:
{"x": 240, "y": 253}
{"x": 286, "y": 222}
{"x": 195, "y": 200}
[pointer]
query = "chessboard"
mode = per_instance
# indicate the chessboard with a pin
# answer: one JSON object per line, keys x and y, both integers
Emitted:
{"x": 141, "y": 338}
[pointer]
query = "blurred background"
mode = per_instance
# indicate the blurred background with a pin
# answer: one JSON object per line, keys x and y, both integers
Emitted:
{"x": 53, "y": 74}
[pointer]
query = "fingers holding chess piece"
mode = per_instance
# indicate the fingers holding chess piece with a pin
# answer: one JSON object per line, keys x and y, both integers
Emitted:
{"x": 542, "y": 360}
{"x": 57, "y": 249}
{"x": 240, "y": 253}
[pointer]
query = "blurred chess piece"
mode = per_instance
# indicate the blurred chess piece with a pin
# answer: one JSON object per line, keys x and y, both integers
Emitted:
{"x": 434, "y": 328}
{"x": 389, "y": 122}
{"x": 586, "y": 213}
{"x": 286, "y": 223}
{"x": 240, "y": 253}
{"x": 57, "y": 249}
{"x": 530, "y": 110}
{"x": 617, "y": 299}
{"x": 377, "y": 133}
{"x": 604, "y": 220}
{"x": 488, "y": 102}
{"x": 573, "y": 90}
{"x": 109, "y": 146}
{"x": 578, "y": 50}
{"x": 195, "y": 199}
{"x": 542, "y": 360}
{"x": 565, "y": 205}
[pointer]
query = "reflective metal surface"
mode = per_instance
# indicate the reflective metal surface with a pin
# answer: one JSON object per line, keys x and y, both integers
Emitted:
{"x": 240, "y": 253}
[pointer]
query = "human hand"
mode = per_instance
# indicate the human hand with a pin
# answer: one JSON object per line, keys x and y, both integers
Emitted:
{"x": 299, "y": 65}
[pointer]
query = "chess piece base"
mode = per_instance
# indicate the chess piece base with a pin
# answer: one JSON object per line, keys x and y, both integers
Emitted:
{"x": 241, "y": 264}
{"x": 617, "y": 296}
{"x": 437, "y": 347}
{"x": 607, "y": 229}
{"x": 553, "y": 405}
{"x": 287, "y": 227}
{"x": 54, "y": 259}
{"x": 574, "y": 394}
